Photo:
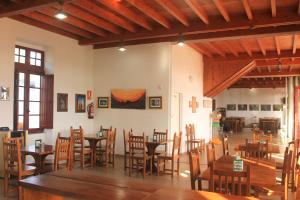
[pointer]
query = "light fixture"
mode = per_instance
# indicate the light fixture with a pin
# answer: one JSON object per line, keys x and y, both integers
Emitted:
{"x": 122, "y": 49}
{"x": 180, "y": 41}
{"x": 61, "y": 15}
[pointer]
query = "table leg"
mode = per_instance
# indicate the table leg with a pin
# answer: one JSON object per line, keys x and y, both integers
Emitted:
{"x": 93, "y": 145}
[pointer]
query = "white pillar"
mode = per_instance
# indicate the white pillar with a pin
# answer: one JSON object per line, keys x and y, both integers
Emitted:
{"x": 290, "y": 104}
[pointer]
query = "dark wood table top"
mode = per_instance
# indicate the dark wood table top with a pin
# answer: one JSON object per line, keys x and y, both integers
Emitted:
{"x": 94, "y": 137}
{"x": 41, "y": 150}
{"x": 82, "y": 185}
{"x": 262, "y": 172}
{"x": 272, "y": 148}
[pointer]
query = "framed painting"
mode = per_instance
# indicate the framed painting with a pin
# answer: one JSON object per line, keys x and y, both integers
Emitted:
{"x": 253, "y": 107}
{"x": 80, "y": 103}
{"x": 103, "y": 102}
{"x": 4, "y": 93}
{"x": 242, "y": 107}
{"x": 62, "y": 102}
{"x": 128, "y": 98}
{"x": 231, "y": 106}
{"x": 155, "y": 102}
{"x": 265, "y": 107}
{"x": 277, "y": 107}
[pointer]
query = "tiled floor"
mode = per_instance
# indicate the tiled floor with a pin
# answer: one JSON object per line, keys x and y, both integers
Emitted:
{"x": 181, "y": 181}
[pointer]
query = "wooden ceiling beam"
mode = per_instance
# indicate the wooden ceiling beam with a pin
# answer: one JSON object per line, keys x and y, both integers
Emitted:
{"x": 270, "y": 85}
{"x": 294, "y": 43}
{"x": 290, "y": 68}
{"x": 260, "y": 45}
{"x": 44, "y": 26}
{"x": 90, "y": 18}
{"x": 219, "y": 4}
{"x": 215, "y": 49}
{"x": 12, "y": 8}
{"x": 126, "y": 12}
{"x": 200, "y": 12}
{"x": 59, "y": 24}
{"x": 150, "y": 12}
{"x": 174, "y": 11}
{"x": 273, "y": 8}
{"x": 200, "y": 50}
{"x": 283, "y": 73}
{"x": 246, "y": 48}
{"x": 269, "y": 69}
{"x": 277, "y": 45}
{"x": 233, "y": 52}
{"x": 90, "y": 6}
{"x": 74, "y": 21}
{"x": 299, "y": 7}
{"x": 216, "y": 30}
{"x": 276, "y": 62}
{"x": 247, "y": 9}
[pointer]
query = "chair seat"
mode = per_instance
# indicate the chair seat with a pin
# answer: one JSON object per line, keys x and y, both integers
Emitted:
{"x": 166, "y": 156}
{"x": 140, "y": 156}
{"x": 85, "y": 151}
{"x": 27, "y": 170}
{"x": 158, "y": 152}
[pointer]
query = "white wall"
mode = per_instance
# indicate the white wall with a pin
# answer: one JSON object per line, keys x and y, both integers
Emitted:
{"x": 251, "y": 96}
{"x": 187, "y": 79}
{"x": 141, "y": 66}
{"x": 70, "y": 63}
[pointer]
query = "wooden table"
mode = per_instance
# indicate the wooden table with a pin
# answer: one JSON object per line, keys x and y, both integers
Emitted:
{"x": 39, "y": 155}
{"x": 151, "y": 147}
{"x": 93, "y": 141}
{"x": 272, "y": 148}
{"x": 262, "y": 172}
{"x": 79, "y": 185}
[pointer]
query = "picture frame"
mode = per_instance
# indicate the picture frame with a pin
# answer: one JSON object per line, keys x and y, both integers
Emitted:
{"x": 253, "y": 107}
{"x": 242, "y": 107}
{"x": 265, "y": 107}
{"x": 231, "y": 107}
{"x": 128, "y": 99}
{"x": 62, "y": 102}
{"x": 4, "y": 93}
{"x": 155, "y": 102}
{"x": 80, "y": 103}
{"x": 103, "y": 102}
{"x": 277, "y": 107}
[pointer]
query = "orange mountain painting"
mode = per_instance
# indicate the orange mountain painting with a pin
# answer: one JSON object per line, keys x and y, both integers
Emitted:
{"x": 128, "y": 98}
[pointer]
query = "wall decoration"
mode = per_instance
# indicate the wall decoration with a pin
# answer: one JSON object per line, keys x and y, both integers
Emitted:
{"x": 80, "y": 103}
{"x": 103, "y": 102}
{"x": 231, "y": 106}
{"x": 207, "y": 103}
{"x": 242, "y": 107}
{"x": 254, "y": 107}
{"x": 265, "y": 107}
{"x": 128, "y": 98}
{"x": 277, "y": 107}
{"x": 91, "y": 110}
{"x": 4, "y": 93}
{"x": 155, "y": 102}
{"x": 89, "y": 95}
{"x": 194, "y": 104}
{"x": 62, "y": 102}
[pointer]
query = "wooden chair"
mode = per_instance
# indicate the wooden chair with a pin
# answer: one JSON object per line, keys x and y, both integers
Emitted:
{"x": 13, "y": 165}
{"x": 256, "y": 150}
{"x": 175, "y": 157}
{"x": 225, "y": 145}
{"x": 229, "y": 182}
{"x": 161, "y": 136}
{"x": 107, "y": 154}
{"x": 195, "y": 171}
{"x": 210, "y": 153}
{"x": 258, "y": 136}
{"x": 192, "y": 142}
{"x": 105, "y": 130}
{"x": 137, "y": 154}
{"x": 63, "y": 152}
{"x": 79, "y": 147}
{"x": 126, "y": 147}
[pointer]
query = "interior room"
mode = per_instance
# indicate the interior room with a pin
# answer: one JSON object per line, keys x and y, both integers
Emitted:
{"x": 149, "y": 99}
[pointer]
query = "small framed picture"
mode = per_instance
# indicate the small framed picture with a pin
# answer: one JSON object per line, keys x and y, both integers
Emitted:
{"x": 62, "y": 102}
{"x": 277, "y": 107}
{"x": 103, "y": 102}
{"x": 265, "y": 107}
{"x": 155, "y": 102}
{"x": 231, "y": 106}
{"x": 254, "y": 107}
{"x": 4, "y": 93}
{"x": 242, "y": 107}
{"x": 80, "y": 103}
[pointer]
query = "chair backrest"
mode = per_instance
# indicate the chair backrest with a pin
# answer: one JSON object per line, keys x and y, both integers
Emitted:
{"x": 63, "y": 152}
{"x": 225, "y": 145}
{"x": 110, "y": 141}
{"x": 104, "y": 130}
{"x": 188, "y": 129}
{"x": 286, "y": 172}
{"x": 137, "y": 144}
{"x": 254, "y": 150}
{"x": 258, "y": 136}
{"x": 211, "y": 153}
{"x": 161, "y": 136}
{"x": 195, "y": 171}
{"x": 12, "y": 154}
{"x": 77, "y": 136}
{"x": 176, "y": 144}
{"x": 20, "y": 134}
{"x": 225, "y": 176}
{"x": 193, "y": 132}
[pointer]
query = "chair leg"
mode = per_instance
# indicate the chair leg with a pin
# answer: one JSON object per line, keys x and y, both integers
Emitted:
{"x": 144, "y": 168}
{"x": 5, "y": 185}
{"x": 199, "y": 184}
{"x": 130, "y": 166}
{"x": 178, "y": 166}
{"x": 113, "y": 160}
{"x": 158, "y": 166}
{"x": 151, "y": 163}
{"x": 20, "y": 193}
{"x": 92, "y": 158}
{"x": 172, "y": 168}
{"x": 81, "y": 160}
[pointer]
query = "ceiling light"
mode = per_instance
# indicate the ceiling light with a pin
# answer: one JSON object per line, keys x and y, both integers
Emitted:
{"x": 61, "y": 15}
{"x": 122, "y": 49}
{"x": 181, "y": 43}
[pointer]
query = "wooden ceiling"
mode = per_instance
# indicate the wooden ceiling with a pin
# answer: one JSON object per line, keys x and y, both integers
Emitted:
{"x": 266, "y": 31}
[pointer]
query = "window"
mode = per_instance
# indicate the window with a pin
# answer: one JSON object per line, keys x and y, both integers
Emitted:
{"x": 30, "y": 90}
